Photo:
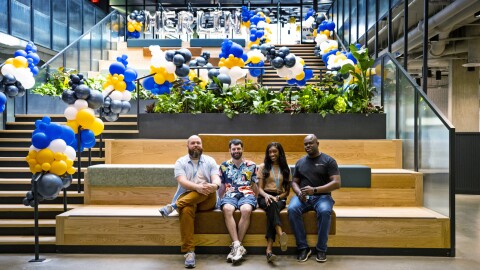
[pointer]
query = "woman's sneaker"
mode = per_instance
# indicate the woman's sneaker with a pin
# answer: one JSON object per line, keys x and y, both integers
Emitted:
{"x": 283, "y": 241}
{"x": 271, "y": 257}
{"x": 190, "y": 259}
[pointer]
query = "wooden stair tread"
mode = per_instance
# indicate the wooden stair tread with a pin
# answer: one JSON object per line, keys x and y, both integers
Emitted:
{"x": 26, "y": 240}
{"x": 24, "y": 169}
{"x": 14, "y": 193}
{"x": 104, "y": 132}
{"x": 394, "y": 171}
{"x": 63, "y": 123}
{"x": 41, "y": 207}
{"x": 22, "y": 181}
{"x": 26, "y": 149}
{"x": 26, "y": 223}
{"x": 61, "y": 115}
{"x": 23, "y": 159}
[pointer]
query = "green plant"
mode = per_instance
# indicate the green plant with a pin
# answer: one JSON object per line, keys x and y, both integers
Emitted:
{"x": 56, "y": 83}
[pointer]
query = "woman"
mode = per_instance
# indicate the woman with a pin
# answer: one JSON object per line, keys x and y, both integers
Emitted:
{"x": 274, "y": 187}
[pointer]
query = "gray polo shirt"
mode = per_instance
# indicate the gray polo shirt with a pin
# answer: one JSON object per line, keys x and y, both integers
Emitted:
{"x": 196, "y": 173}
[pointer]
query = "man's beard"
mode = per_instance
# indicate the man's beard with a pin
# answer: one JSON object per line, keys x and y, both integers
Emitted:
{"x": 195, "y": 153}
{"x": 236, "y": 156}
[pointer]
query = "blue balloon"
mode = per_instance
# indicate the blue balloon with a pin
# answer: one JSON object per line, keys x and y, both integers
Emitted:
{"x": 331, "y": 25}
{"x": 130, "y": 86}
{"x": 46, "y": 119}
{"x": 244, "y": 57}
{"x": 34, "y": 71}
{"x": 259, "y": 33}
{"x": 116, "y": 68}
{"x": 87, "y": 137}
{"x": 34, "y": 57}
{"x": 129, "y": 75}
{"x": 40, "y": 140}
{"x": 302, "y": 82}
{"x": 20, "y": 53}
{"x": 308, "y": 73}
{"x": 2, "y": 108}
{"x": 67, "y": 134}
{"x": 74, "y": 143}
{"x": 53, "y": 131}
{"x": 253, "y": 37}
{"x": 292, "y": 82}
{"x": 3, "y": 98}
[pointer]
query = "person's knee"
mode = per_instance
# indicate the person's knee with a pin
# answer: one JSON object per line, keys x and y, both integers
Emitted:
{"x": 324, "y": 213}
{"x": 228, "y": 209}
{"x": 246, "y": 210}
{"x": 187, "y": 210}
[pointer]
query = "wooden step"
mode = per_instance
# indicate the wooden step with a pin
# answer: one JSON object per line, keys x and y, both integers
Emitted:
{"x": 26, "y": 223}
{"x": 84, "y": 159}
{"x": 9, "y": 193}
{"x": 63, "y": 123}
{"x": 13, "y": 131}
{"x": 41, "y": 207}
{"x": 25, "y": 181}
{"x": 26, "y": 240}
{"x": 23, "y": 169}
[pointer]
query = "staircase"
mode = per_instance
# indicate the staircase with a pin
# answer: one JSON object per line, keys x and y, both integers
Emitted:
{"x": 16, "y": 220}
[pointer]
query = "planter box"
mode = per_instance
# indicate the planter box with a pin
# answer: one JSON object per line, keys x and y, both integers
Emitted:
{"x": 37, "y": 104}
{"x": 336, "y": 126}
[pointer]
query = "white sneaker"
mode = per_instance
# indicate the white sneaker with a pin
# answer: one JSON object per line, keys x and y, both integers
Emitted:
{"x": 239, "y": 254}
{"x": 232, "y": 253}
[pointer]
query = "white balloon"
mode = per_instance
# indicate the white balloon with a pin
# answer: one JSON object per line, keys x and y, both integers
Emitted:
{"x": 33, "y": 148}
{"x": 261, "y": 24}
{"x": 28, "y": 83}
{"x": 70, "y": 112}
{"x": 70, "y": 152}
{"x": 170, "y": 67}
{"x": 57, "y": 145}
{"x": 321, "y": 38}
{"x": 235, "y": 73}
{"x": 8, "y": 69}
{"x": 116, "y": 95}
{"x": 127, "y": 96}
{"x": 224, "y": 70}
{"x": 80, "y": 104}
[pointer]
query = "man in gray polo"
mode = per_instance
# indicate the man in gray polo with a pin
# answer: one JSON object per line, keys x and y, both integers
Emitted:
{"x": 198, "y": 181}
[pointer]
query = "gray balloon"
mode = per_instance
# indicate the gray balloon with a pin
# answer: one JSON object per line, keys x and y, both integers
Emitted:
{"x": 82, "y": 91}
{"x": 116, "y": 106}
{"x": 209, "y": 66}
{"x": 285, "y": 50}
{"x": 49, "y": 186}
{"x": 95, "y": 99}
{"x": 192, "y": 63}
{"x": 11, "y": 90}
{"x": 66, "y": 180}
{"x": 169, "y": 55}
{"x": 182, "y": 71}
{"x": 213, "y": 73}
{"x": 187, "y": 55}
{"x": 201, "y": 61}
{"x": 290, "y": 60}
{"x": 224, "y": 78}
{"x": 125, "y": 106}
{"x": 178, "y": 60}
{"x": 278, "y": 62}
{"x": 111, "y": 117}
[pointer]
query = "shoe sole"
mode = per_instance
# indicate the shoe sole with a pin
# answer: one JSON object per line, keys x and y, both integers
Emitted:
{"x": 306, "y": 258}
{"x": 321, "y": 261}
{"x": 237, "y": 260}
{"x": 190, "y": 266}
{"x": 283, "y": 242}
{"x": 164, "y": 215}
{"x": 272, "y": 259}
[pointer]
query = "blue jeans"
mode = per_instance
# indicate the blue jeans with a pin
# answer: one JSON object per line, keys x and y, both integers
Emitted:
{"x": 322, "y": 204}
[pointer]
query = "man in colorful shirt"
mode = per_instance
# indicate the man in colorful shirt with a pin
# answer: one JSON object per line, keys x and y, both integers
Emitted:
{"x": 239, "y": 189}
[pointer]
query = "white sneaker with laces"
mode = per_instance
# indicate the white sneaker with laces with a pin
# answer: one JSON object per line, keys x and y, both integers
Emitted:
{"x": 232, "y": 253}
{"x": 239, "y": 254}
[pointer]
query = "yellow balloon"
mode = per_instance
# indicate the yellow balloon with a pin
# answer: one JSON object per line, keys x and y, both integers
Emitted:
{"x": 159, "y": 78}
{"x": 46, "y": 166}
{"x": 85, "y": 118}
{"x": 37, "y": 168}
{"x": 69, "y": 163}
{"x": 20, "y": 62}
{"x": 138, "y": 27}
{"x": 45, "y": 156}
{"x": 32, "y": 162}
{"x": 120, "y": 86}
{"x": 59, "y": 167}
{"x": 71, "y": 170}
{"x": 326, "y": 32}
{"x": 97, "y": 126}
{"x": 267, "y": 20}
{"x": 170, "y": 77}
{"x": 302, "y": 61}
{"x": 300, "y": 76}
{"x": 131, "y": 28}
{"x": 9, "y": 61}
{"x": 73, "y": 125}
{"x": 32, "y": 153}
{"x": 255, "y": 59}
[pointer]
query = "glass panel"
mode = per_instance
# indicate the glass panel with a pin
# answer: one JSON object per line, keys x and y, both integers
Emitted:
{"x": 361, "y": 18}
{"x": 41, "y": 18}
{"x": 383, "y": 4}
{"x": 117, "y": 2}
{"x": 96, "y": 47}
{"x": 406, "y": 120}
{"x": 88, "y": 17}
{"x": 74, "y": 19}
{"x": 71, "y": 56}
{"x": 4, "y": 16}
{"x": 389, "y": 98}
{"x": 85, "y": 54}
{"x": 346, "y": 22}
{"x": 59, "y": 9}
{"x": 433, "y": 159}
{"x": 20, "y": 19}
{"x": 353, "y": 16}
{"x": 307, "y": 32}
{"x": 371, "y": 13}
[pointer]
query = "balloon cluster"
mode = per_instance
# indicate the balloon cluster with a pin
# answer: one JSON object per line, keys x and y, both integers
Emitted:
{"x": 18, "y": 73}
{"x": 117, "y": 89}
{"x": 52, "y": 142}
{"x": 290, "y": 66}
{"x": 202, "y": 74}
{"x": 232, "y": 59}
{"x": 257, "y": 24}
{"x": 323, "y": 37}
{"x": 48, "y": 186}
{"x": 165, "y": 65}
{"x": 256, "y": 59}
{"x": 82, "y": 101}
{"x": 135, "y": 23}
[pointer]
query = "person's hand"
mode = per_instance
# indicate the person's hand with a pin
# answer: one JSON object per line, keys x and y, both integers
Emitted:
{"x": 307, "y": 190}
{"x": 302, "y": 197}
{"x": 203, "y": 189}
{"x": 269, "y": 199}
{"x": 211, "y": 188}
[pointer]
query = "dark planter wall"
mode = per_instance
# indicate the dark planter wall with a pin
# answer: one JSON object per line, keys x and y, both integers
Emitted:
{"x": 467, "y": 160}
{"x": 338, "y": 126}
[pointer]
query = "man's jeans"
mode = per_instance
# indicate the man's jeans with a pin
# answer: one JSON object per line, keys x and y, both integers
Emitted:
{"x": 322, "y": 204}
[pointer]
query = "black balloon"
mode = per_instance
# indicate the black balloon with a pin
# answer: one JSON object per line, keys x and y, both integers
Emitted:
{"x": 75, "y": 79}
{"x": 9, "y": 79}
{"x": 125, "y": 106}
{"x": 95, "y": 99}
{"x": 213, "y": 73}
{"x": 21, "y": 91}
{"x": 111, "y": 117}
{"x": 278, "y": 62}
{"x": 116, "y": 106}
{"x": 178, "y": 60}
{"x": 82, "y": 91}
{"x": 29, "y": 195}
{"x": 186, "y": 54}
{"x": 11, "y": 90}
{"x": 66, "y": 180}
{"x": 290, "y": 60}
{"x": 26, "y": 202}
{"x": 49, "y": 185}
{"x": 285, "y": 50}
{"x": 68, "y": 96}
{"x": 192, "y": 63}
{"x": 224, "y": 78}
{"x": 169, "y": 55}
{"x": 182, "y": 71}
{"x": 201, "y": 61}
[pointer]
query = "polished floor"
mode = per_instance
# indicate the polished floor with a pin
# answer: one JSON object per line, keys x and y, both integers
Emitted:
{"x": 468, "y": 255}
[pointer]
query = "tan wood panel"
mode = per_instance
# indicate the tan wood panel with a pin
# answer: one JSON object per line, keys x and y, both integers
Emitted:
{"x": 374, "y": 197}
{"x": 196, "y": 51}
{"x": 252, "y": 142}
{"x": 130, "y": 195}
{"x": 351, "y": 232}
{"x": 400, "y": 181}
{"x": 144, "y": 151}
{"x": 26, "y": 240}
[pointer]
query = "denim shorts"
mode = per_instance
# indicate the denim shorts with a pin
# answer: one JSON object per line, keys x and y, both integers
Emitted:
{"x": 239, "y": 200}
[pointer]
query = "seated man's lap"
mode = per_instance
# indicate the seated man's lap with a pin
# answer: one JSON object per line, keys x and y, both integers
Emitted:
{"x": 237, "y": 202}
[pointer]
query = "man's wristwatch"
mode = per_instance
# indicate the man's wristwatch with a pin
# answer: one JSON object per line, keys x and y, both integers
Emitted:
{"x": 314, "y": 190}
{"x": 218, "y": 186}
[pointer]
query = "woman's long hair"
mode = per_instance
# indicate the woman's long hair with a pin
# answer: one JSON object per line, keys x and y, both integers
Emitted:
{"x": 282, "y": 162}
